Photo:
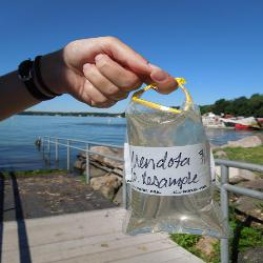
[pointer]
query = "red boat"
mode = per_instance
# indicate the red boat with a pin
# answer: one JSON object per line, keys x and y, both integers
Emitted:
{"x": 249, "y": 123}
{"x": 240, "y": 126}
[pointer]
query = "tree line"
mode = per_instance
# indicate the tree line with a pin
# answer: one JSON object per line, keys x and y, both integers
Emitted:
{"x": 241, "y": 106}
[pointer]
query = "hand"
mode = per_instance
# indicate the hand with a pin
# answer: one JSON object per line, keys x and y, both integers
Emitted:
{"x": 101, "y": 71}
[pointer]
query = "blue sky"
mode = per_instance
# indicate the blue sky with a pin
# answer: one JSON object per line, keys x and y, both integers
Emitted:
{"x": 216, "y": 45}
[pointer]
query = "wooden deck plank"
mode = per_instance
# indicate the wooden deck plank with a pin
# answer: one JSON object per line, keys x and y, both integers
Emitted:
{"x": 108, "y": 253}
{"x": 94, "y": 237}
{"x": 92, "y": 245}
{"x": 68, "y": 227}
{"x": 162, "y": 256}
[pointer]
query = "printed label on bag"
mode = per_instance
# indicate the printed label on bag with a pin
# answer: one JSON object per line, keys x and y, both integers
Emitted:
{"x": 176, "y": 170}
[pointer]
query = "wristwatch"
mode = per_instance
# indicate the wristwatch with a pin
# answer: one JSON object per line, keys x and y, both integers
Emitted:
{"x": 25, "y": 73}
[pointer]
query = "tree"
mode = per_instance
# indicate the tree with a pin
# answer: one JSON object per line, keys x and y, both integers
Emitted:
{"x": 241, "y": 106}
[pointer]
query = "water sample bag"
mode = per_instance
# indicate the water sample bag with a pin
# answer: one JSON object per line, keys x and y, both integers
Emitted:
{"x": 168, "y": 170}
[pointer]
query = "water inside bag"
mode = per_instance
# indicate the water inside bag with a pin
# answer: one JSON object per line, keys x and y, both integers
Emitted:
{"x": 171, "y": 187}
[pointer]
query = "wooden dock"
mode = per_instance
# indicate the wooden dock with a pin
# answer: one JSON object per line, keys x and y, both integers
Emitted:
{"x": 89, "y": 237}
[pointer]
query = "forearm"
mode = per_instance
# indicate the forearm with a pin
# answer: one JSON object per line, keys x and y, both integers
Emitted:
{"x": 14, "y": 96}
{"x": 53, "y": 71}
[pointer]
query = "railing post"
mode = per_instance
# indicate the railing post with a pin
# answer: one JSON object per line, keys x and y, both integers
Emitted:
{"x": 68, "y": 155}
{"x": 225, "y": 211}
{"x": 125, "y": 191}
{"x": 56, "y": 150}
{"x": 87, "y": 166}
{"x": 43, "y": 146}
{"x": 48, "y": 151}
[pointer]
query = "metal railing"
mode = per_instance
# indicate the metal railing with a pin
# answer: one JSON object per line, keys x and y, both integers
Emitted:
{"x": 225, "y": 186}
{"x": 70, "y": 144}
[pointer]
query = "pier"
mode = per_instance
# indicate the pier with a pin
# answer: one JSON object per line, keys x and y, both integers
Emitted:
{"x": 90, "y": 237}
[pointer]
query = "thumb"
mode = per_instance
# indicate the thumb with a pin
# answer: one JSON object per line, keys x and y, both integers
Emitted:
{"x": 165, "y": 82}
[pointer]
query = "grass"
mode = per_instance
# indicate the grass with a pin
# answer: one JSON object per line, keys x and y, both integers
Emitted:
{"x": 30, "y": 173}
{"x": 249, "y": 155}
{"x": 250, "y": 237}
{"x": 188, "y": 241}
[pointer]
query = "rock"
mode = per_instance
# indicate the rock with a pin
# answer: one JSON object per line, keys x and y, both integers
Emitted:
{"x": 110, "y": 151}
{"x": 97, "y": 170}
{"x": 105, "y": 174}
{"x": 251, "y": 255}
{"x": 250, "y": 206}
{"x": 248, "y": 175}
{"x": 220, "y": 154}
{"x": 118, "y": 197}
{"x": 206, "y": 245}
{"x": 237, "y": 175}
{"x": 100, "y": 165}
{"x": 78, "y": 164}
{"x": 108, "y": 185}
{"x": 256, "y": 184}
{"x": 251, "y": 141}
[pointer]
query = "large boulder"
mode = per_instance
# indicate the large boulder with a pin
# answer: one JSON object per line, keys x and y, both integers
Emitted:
{"x": 105, "y": 173}
{"x": 99, "y": 164}
{"x": 99, "y": 151}
{"x": 251, "y": 141}
{"x": 108, "y": 185}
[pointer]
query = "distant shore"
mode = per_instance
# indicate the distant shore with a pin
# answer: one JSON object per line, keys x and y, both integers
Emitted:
{"x": 72, "y": 114}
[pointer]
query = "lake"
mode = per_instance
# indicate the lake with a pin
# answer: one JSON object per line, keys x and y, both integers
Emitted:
{"x": 19, "y": 133}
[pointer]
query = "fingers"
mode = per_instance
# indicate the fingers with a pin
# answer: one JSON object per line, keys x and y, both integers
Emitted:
{"x": 113, "y": 82}
{"x": 149, "y": 73}
{"x": 101, "y": 71}
{"x": 107, "y": 81}
{"x": 92, "y": 96}
{"x": 124, "y": 55}
{"x": 121, "y": 77}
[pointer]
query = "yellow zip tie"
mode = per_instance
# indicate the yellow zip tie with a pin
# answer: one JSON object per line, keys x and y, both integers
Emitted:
{"x": 181, "y": 81}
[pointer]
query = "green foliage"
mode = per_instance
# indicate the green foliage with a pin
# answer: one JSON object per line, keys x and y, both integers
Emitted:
{"x": 33, "y": 172}
{"x": 185, "y": 240}
{"x": 189, "y": 242}
{"x": 241, "y": 106}
{"x": 250, "y": 237}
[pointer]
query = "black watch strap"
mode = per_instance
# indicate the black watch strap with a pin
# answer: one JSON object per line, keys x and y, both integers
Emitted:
{"x": 25, "y": 72}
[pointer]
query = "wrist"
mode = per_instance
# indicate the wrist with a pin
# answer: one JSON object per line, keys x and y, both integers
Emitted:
{"x": 29, "y": 73}
{"x": 52, "y": 72}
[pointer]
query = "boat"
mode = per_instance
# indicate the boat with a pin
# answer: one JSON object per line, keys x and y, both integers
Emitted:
{"x": 211, "y": 120}
{"x": 241, "y": 123}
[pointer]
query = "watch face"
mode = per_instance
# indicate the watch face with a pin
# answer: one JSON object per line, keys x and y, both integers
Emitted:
{"x": 25, "y": 69}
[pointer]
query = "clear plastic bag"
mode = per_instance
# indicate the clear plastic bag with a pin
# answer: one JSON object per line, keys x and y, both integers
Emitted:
{"x": 168, "y": 169}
